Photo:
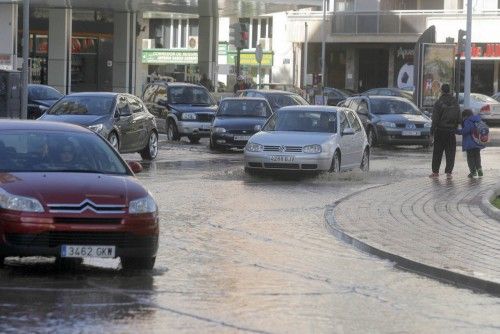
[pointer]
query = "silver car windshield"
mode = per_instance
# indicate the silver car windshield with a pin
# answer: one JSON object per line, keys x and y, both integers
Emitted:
{"x": 57, "y": 151}
{"x": 303, "y": 121}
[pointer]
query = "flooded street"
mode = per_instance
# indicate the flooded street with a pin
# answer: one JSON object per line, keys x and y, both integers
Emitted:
{"x": 247, "y": 254}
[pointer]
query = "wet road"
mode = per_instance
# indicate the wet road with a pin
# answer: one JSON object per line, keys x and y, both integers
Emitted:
{"x": 242, "y": 254}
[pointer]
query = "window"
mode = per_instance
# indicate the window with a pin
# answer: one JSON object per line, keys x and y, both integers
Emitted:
{"x": 344, "y": 5}
{"x": 353, "y": 121}
{"x": 175, "y": 29}
{"x": 255, "y": 27}
{"x": 363, "y": 108}
{"x": 354, "y": 104}
{"x": 134, "y": 104}
{"x": 344, "y": 124}
{"x": 270, "y": 27}
{"x": 122, "y": 107}
{"x": 183, "y": 33}
{"x": 193, "y": 27}
{"x": 161, "y": 94}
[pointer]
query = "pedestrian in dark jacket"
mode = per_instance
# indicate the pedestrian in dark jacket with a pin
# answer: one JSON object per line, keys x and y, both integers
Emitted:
{"x": 445, "y": 120}
{"x": 469, "y": 145}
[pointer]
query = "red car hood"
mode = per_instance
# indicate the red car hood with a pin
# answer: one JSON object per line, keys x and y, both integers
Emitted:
{"x": 73, "y": 188}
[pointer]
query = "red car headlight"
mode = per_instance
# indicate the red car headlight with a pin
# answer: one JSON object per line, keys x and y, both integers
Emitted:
{"x": 143, "y": 205}
{"x": 19, "y": 203}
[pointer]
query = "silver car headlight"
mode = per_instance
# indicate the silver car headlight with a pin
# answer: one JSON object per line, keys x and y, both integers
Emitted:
{"x": 388, "y": 124}
{"x": 254, "y": 147}
{"x": 427, "y": 125}
{"x": 96, "y": 127}
{"x": 219, "y": 130}
{"x": 312, "y": 149}
{"x": 188, "y": 115}
{"x": 19, "y": 203}
{"x": 143, "y": 205}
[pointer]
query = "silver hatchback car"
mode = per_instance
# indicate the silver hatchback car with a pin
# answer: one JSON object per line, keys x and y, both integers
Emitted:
{"x": 309, "y": 138}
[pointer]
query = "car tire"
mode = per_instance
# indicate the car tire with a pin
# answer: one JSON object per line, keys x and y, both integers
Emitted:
{"x": 151, "y": 150}
{"x": 365, "y": 161}
{"x": 371, "y": 135}
{"x": 114, "y": 140}
{"x": 172, "y": 131}
{"x": 194, "y": 139}
{"x": 138, "y": 263}
{"x": 335, "y": 167}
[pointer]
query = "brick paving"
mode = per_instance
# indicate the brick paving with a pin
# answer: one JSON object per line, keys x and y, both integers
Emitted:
{"x": 437, "y": 223}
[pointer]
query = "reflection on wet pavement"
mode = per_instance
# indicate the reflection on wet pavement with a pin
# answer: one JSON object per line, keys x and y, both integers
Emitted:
{"x": 245, "y": 254}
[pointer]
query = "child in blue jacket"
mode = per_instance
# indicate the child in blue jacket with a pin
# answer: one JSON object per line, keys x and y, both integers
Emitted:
{"x": 472, "y": 148}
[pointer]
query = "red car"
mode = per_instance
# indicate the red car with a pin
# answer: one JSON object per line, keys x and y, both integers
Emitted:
{"x": 65, "y": 192}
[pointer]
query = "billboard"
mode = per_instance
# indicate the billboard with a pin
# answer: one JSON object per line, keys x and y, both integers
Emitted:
{"x": 438, "y": 67}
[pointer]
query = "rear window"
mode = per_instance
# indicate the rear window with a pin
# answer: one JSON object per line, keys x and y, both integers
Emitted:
{"x": 83, "y": 105}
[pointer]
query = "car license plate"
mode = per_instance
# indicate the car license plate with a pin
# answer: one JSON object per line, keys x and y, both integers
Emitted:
{"x": 282, "y": 158}
{"x": 410, "y": 133}
{"x": 241, "y": 138}
{"x": 87, "y": 251}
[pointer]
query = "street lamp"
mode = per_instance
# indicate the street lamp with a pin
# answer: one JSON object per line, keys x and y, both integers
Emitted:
{"x": 468, "y": 55}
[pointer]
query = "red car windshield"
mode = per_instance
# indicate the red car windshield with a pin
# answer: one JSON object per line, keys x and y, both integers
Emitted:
{"x": 56, "y": 151}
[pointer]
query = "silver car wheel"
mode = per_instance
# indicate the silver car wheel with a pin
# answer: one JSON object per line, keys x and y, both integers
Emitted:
{"x": 113, "y": 140}
{"x": 153, "y": 145}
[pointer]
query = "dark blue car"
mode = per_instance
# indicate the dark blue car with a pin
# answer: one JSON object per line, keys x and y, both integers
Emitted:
{"x": 237, "y": 119}
{"x": 40, "y": 99}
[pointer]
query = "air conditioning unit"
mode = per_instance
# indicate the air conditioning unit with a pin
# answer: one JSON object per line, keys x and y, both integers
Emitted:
{"x": 148, "y": 44}
{"x": 266, "y": 43}
{"x": 192, "y": 42}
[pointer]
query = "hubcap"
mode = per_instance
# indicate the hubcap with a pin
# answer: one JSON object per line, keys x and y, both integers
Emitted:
{"x": 153, "y": 145}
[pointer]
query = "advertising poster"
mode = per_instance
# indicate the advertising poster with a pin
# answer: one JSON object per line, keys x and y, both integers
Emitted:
{"x": 438, "y": 68}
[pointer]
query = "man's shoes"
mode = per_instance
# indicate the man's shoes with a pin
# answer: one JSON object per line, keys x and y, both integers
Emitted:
{"x": 434, "y": 175}
{"x": 472, "y": 175}
{"x": 449, "y": 176}
{"x": 479, "y": 172}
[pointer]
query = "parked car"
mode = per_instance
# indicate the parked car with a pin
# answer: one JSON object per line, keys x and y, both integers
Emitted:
{"x": 407, "y": 94}
{"x": 335, "y": 95}
{"x": 40, "y": 99}
{"x": 66, "y": 193}
{"x": 496, "y": 97}
{"x": 121, "y": 118}
{"x": 309, "y": 138}
{"x": 391, "y": 120}
{"x": 279, "y": 86}
{"x": 276, "y": 98}
{"x": 236, "y": 120}
{"x": 181, "y": 109}
{"x": 485, "y": 106}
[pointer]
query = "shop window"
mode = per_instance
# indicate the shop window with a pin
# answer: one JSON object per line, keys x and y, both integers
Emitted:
{"x": 263, "y": 27}
{"x": 344, "y": 6}
{"x": 175, "y": 27}
{"x": 255, "y": 27}
{"x": 193, "y": 27}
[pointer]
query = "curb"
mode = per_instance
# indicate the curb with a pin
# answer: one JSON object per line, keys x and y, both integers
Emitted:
{"x": 440, "y": 274}
{"x": 486, "y": 205}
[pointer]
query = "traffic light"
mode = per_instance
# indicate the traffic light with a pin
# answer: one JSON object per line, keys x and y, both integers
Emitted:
{"x": 461, "y": 41}
{"x": 235, "y": 35}
{"x": 245, "y": 35}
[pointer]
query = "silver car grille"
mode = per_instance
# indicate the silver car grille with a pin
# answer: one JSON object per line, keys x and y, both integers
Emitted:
{"x": 283, "y": 149}
{"x": 86, "y": 205}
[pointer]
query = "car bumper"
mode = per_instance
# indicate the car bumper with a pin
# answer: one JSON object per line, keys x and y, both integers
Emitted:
{"x": 38, "y": 236}
{"x": 300, "y": 162}
{"x": 230, "y": 140}
{"x": 199, "y": 129}
{"x": 491, "y": 118}
{"x": 404, "y": 137}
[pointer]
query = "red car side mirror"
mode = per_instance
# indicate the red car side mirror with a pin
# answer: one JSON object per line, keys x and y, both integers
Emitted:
{"x": 135, "y": 166}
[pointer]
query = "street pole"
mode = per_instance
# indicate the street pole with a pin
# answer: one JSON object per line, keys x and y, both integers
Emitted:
{"x": 238, "y": 54}
{"x": 323, "y": 46}
{"x": 467, "y": 76}
{"x": 26, "y": 34}
{"x": 306, "y": 45}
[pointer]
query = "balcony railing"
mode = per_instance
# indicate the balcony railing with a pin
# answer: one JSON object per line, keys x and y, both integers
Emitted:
{"x": 385, "y": 22}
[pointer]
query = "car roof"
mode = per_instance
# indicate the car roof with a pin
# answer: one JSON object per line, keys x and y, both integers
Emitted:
{"x": 174, "y": 84}
{"x": 244, "y": 98}
{"x": 109, "y": 94}
{"x": 270, "y": 91}
{"x": 379, "y": 97}
{"x": 33, "y": 125}
{"x": 311, "y": 108}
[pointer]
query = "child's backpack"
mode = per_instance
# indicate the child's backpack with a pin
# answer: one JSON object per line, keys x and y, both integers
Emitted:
{"x": 481, "y": 133}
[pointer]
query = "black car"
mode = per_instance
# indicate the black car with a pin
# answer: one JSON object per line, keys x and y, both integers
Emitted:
{"x": 181, "y": 109}
{"x": 391, "y": 120}
{"x": 335, "y": 95}
{"x": 121, "y": 118}
{"x": 407, "y": 94}
{"x": 41, "y": 98}
{"x": 276, "y": 98}
{"x": 236, "y": 120}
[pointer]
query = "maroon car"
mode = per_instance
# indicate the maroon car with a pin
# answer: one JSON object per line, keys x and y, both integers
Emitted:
{"x": 65, "y": 192}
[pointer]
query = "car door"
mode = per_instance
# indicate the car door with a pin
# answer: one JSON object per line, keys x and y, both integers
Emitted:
{"x": 345, "y": 141}
{"x": 358, "y": 139}
{"x": 363, "y": 112}
{"x": 139, "y": 124}
{"x": 123, "y": 123}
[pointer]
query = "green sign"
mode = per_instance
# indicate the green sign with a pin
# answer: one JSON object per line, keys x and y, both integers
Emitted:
{"x": 248, "y": 58}
{"x": 167, "y": 56}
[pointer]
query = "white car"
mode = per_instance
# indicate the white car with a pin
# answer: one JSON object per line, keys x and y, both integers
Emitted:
{"x": 485, "y": 106}
{"x": 309, "y": 138}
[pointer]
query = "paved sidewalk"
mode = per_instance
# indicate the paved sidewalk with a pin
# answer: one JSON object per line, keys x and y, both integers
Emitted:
{"x": 435, "y": 227}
